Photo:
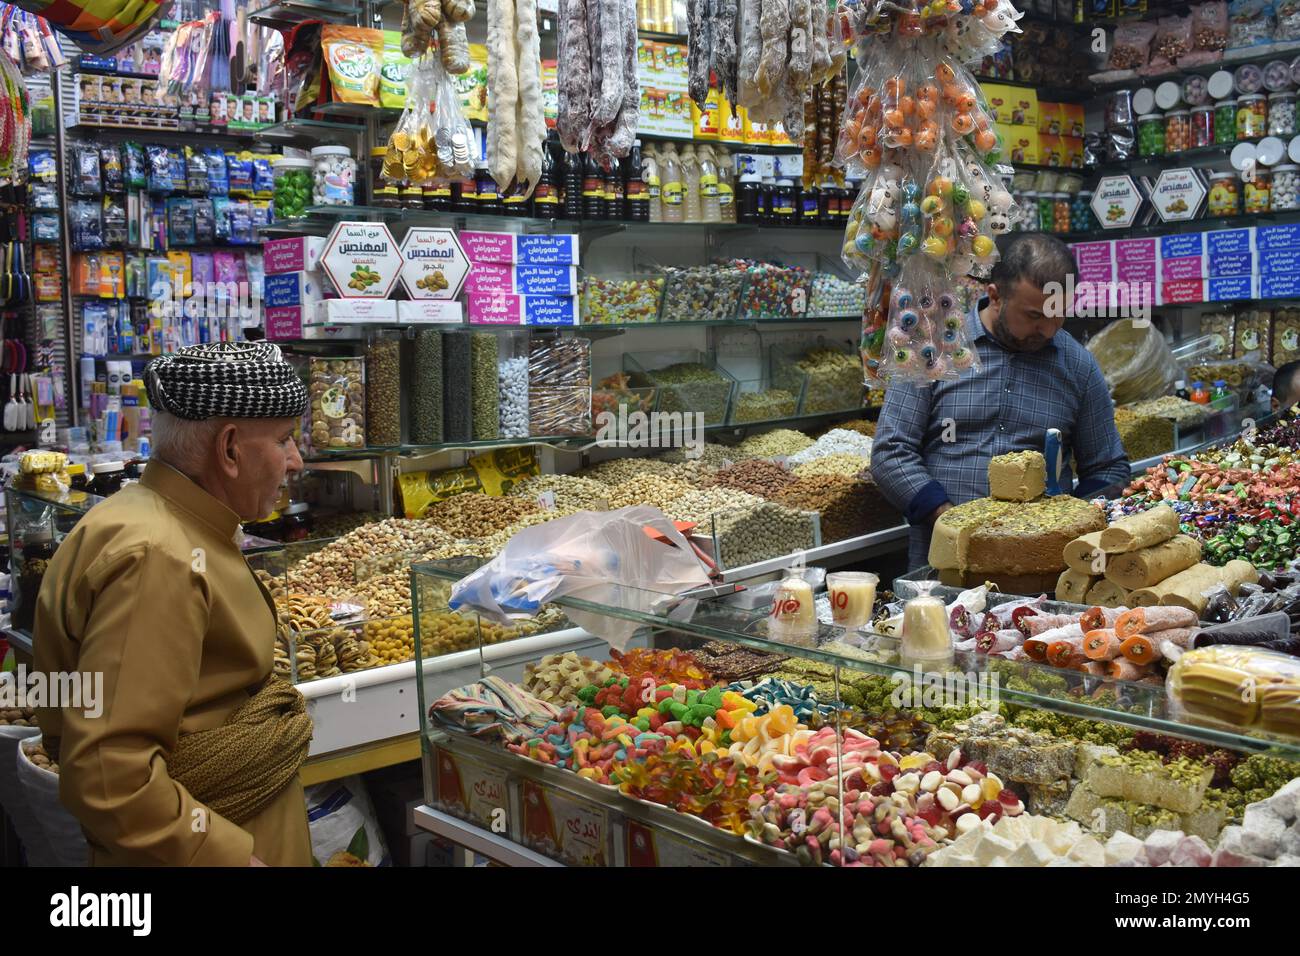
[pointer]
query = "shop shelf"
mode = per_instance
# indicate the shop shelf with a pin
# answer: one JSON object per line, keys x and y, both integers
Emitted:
{"x": 314, "y": 130}
{"x": 1275, "y": 51}
{"x": 708, "y": 393}
{"x": 285, "y": 12}
{"x": 357, "y": 110}
{"x": 1141, "y": 706}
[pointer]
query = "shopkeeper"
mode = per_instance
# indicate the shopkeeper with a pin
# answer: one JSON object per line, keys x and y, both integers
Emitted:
{"x": 195, "y": 757}
{"x": 933, "y": 443}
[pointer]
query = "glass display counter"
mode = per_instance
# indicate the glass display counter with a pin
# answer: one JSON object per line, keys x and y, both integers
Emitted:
{"x": 858, "y": 705}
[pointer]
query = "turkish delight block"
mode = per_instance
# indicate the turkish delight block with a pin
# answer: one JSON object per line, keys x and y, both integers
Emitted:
{"x": 1179, "y": 785}
{"x": 1021, "y": 476}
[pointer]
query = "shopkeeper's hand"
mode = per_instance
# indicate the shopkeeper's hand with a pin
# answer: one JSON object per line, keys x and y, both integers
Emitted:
{"x": 254, "y": 861}
{"x": 934, "y": 515}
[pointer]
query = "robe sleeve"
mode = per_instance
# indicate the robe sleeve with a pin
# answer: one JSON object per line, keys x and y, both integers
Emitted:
{"x": 146, "y": 613}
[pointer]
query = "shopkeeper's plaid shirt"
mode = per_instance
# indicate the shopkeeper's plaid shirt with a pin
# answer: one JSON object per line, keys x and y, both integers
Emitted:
{"x": 1006, "y": 406}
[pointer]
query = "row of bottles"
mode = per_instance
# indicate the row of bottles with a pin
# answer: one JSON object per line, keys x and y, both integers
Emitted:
{"x": 690, "y": 184}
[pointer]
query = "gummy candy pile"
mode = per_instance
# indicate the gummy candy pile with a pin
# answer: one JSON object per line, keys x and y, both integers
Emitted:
{"x": 711, "y": 786}
{"x": 895, "y": 811}
{"x": 673, "y": 665}
{"x": 917, "y": 131}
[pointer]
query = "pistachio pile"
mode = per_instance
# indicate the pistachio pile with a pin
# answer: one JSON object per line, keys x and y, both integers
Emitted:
{"x": 584, "y": 494}
{"x": 647, "y": 490}
{"x": 331, "y": 571}
{"x": 843, "y": 464}
{"x": 698, "y": 505}
{"x": 617, "y": 470}
{"x": 477, "y": 516}
{"x": 765, "y": 531}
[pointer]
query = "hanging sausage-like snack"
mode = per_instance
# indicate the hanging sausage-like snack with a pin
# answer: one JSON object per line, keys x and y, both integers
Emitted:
{"x": 573, "y": 75}
{"x": 699, "y": 51}
{"x": 453, "y": 47}
{"x": 530, "y": 123}
{"x": 503, "y": 92}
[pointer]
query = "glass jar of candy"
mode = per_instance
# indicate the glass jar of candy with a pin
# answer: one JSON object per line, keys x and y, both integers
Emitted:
{"x": 1151, "y": 135}
{"x": 1046, "y": 210}
{"x": 1081, "y": 217}
{"x": 1225, "y": 122}
{"x": 1281, "y": 114}
{"x": 1202, "y": 126}
{"x": 1258, "y": 191}
{"x": 1286, "y": 184}
{"x": 1252, "y": 115}
{"x": 1060, "y": 212}
{"x": 1224, "y": 197}
{"x": 1178, "y": 130}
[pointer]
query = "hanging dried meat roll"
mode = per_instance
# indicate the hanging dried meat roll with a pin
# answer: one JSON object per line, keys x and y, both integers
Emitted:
{"x": 620, "y": 141}
{"x": 724, "y": 58}
{"x": 774, "y": 28}
{"x": 609, "y": 100}
{"x": 503, "y": 92}
{"x": 573, "y": 75}
{"x": 748, "y": 54}
{"x": 699, "y": 49}
{"x": 530, "y": 123}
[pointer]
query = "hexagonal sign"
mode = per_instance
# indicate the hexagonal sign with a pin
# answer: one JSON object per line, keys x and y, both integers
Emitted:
{"x": 1178, "y": 195}
{"x": 434, "y": 266}
{"x": 1116, "y": 202}
{"x": 362, "y": 260}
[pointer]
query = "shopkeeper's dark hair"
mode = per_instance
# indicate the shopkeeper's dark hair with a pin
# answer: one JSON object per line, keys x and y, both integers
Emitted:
{"x": 1034, "y": 257}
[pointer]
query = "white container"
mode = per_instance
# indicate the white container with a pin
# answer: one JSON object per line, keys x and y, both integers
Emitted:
{"x": 334, "y": 176}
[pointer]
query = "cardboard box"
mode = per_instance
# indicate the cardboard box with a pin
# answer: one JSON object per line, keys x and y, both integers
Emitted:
{"x": 1051, "y": 150}
{"x": 707, "y": 123}
{"x": 1012, "y": 105}
{"x": 1183, "y": 267}
{"x": 1229, "y": 240}
{"x": 502, "y": 309}
{"x": 1277, "y": 237}
{"x": 287, "y": 321}
{"x": 1072, "y": 121}
{"x": 1094, "y": 253}
{"x": 293, "y": 254}
{"x": 756, "y": 133}
{"x": 508, "y": 248}
{"x": 1135, "y": 250}
{"x": 1232, "y": 264}
{"x": 348, "y": 311}
{"x": 1182, "y": 245}
{"x": 731, "y": 122}
{"x": 291, "y": 288}
{"x": 1230, "y": 288}
{"x": 1072, "y": 152}
{"x": 1279, "y": 285}
{"x": 1102, "y": 272}
{"x": 1279, "y": 260}
{"x": 1050, "y": 118}
{"x": 1136, "y": 272}
{"x": 490, "y": 277}
{"x": 1182, "y": 291}
{"x": 430, "y": 312}
{"x": 1019, "y": 143}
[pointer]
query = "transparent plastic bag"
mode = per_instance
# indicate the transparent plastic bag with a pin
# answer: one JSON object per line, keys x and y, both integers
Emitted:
{"x": 605, "y": 557}
{"x": 1238, "y": 687}
{"x": 451, "y": 131}
{"x": 1136, "y": 361}
{"x": 1250, "y": 23}
{"x": 1173, "y": 40}
{"x": 1130, "y": 46}
{"x": 925, "y": 336}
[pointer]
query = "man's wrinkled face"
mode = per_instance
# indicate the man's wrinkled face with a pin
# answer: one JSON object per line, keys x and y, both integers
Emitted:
{"x": 265, "y": 454}
{"x": 1021, "y": 323}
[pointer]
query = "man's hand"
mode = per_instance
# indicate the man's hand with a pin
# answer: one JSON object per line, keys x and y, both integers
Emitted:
{"x": 254, "y": 861}
{"x": 934, "y": 515}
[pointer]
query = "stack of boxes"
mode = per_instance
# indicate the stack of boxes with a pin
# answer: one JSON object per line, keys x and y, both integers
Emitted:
{"x": 293, "y": 288}
{"x": 521, "y": 279}
{"x": 1034, "y": 132}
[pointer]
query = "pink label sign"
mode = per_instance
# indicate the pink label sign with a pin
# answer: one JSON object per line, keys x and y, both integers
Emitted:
{"x": 490, "y": 309}
{"x": 1098, "y": 273}
{"x": 1186, "y": 267}
{"x": 1135, "y": 250}
{"x": 1136, "y": 271}
{"x": 488, "y": 246}
{"x": 1183, "y": 290}
{"x": 488, "y": 277}
{"x": 284, "y": 322}
{"x": 1093, "y": 253}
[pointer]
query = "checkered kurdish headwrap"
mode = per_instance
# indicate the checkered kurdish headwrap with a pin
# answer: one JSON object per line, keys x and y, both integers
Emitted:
{"x": 226, "y": 380}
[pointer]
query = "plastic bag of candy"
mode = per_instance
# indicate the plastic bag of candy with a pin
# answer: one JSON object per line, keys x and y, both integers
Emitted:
{"x": 925, "y": 336}
{"x": 1130, "y": 46}
{"x": 875, "y": 317}
{"x": 1288, "y": 20}
{"x": 1173, "y": 41}
{"x": 1250, "y": 23}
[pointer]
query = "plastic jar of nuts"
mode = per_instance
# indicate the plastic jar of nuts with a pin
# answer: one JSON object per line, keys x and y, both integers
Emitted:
{"x": 1225, "y": 194}
{"x": 1178, "y": 130}
{"x": 1252, "y": 115}
{"x": 1259, "y": 191}
{"x": 1202, "y": 126}
{"x": 335, "y": 176}
{"x": 1286, "y": 184}
{"x": 1281, "y": 114}
{"x": 1225, "y": 121}
{"x": 1151, "y": 135}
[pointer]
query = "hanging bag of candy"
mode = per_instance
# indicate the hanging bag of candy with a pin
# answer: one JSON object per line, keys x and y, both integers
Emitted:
{"x": 925, "y": 336}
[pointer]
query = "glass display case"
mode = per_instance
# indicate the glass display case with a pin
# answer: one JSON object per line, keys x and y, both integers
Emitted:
{"x": 689, "y": 381}
{"x": 37, "y": 524}
{"x": 828, "y": 374}
{"x": 645, "y": 755}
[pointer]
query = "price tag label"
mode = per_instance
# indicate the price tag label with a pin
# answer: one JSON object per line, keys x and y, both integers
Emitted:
{"x": 546, "y": 501}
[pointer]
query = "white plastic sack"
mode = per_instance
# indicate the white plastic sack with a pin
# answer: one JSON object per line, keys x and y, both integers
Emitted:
{"x": 14, "y": 799}
{"x": 1135, "y": 359}
{"x": 62, "y": 832}
{"x": 344, "y": 830}
{"x": 605, "y": 557}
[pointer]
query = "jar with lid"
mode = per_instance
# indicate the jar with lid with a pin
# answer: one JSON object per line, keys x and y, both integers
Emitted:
{"x": 1224, "y": 197}
{"x": 1281, "y": 114}
{"x": 335, "y": 174}
{"x": 1081, "y": 217}
{"x": 1225, "y": 122}
{"x": 1060, "y": 212}
{"x": 1252, "y": 115}
{"x": 106, "y": 478}
{"x": 295, "y": 522}
{"x": 384, "y": 192}
{"x": 1046, "y": 211}
{"x": 1258, "y": 191}
{"x": 1286, "y": 184}
{"x": 1178, "y": 131}
{"x": 35, "y": 550}
{"x": 292, "y": 194}
{"x": 1202, "y": 127}
{"x": 1151, "y": 135}
{"x": 411, "y": 195}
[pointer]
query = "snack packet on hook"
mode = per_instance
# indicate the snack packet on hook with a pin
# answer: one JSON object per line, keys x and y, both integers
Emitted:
{"x": 925, "y": 337}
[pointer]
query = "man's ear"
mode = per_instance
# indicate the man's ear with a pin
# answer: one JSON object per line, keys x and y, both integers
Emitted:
{"x": 228, "y": 450}
{"x": 994, "y": 295}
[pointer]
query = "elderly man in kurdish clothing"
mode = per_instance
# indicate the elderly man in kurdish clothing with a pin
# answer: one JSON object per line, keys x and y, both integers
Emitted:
{"x": 195, "y": 757}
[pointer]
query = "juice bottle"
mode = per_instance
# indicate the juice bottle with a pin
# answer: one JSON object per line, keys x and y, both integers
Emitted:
{"x": 691, "y": 183}
{"x": 1200, "y": 394}
{"x": 673, "y": 188}
{"x": 726, "y": 188}
{"x": 710, "y": 202}
{"x": 653, "y": 187}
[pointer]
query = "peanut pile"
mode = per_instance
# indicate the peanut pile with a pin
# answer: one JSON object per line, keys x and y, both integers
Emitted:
{"x": 477, "y": 516}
